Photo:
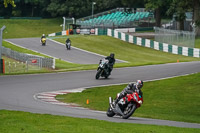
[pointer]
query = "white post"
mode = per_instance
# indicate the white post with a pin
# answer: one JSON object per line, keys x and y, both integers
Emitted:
{"x": 63, "y": 23}
{"x": 1, "y": 38}
{"x": 54, "y": 63}
{"x": 93, "y": 3}
{"x": 73, "y": 20}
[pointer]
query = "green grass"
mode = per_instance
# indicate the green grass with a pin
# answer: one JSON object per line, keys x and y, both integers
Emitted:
{"x": 170, "y": 99}
{"x": 19, "y": 122}
{"x": 23, "y": 28}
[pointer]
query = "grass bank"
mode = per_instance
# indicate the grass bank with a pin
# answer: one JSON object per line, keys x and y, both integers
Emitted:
{"x": 23, "y": 28}
{"x": 170, "y": 99}
{"x": 18, "y": 122}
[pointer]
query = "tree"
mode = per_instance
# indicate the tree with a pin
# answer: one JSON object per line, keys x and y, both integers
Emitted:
{"x": 6, "y": 2}
{"x": 157, "y": 6}
{"x": 179, "y": 8}
{"x": 196, "y": 10}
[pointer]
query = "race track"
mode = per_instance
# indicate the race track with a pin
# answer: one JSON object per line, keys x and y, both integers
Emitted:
{"x": 17, "y": 92}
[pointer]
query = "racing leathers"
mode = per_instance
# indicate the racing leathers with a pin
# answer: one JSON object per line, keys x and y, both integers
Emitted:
{"x": 111, "y": 62}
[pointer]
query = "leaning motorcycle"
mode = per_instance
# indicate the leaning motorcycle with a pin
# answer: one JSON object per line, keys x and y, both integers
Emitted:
{"x": 43, "y": 41}
{"x": 126, "y": 105}
{"x": 102, "y": 70}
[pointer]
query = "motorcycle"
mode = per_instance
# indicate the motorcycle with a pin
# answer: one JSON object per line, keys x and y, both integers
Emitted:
{"x": 68, "y": 46}
{"x": 102, "y": 70}
{"x": 43, "y": 41}
{"x": 126, "y": 105}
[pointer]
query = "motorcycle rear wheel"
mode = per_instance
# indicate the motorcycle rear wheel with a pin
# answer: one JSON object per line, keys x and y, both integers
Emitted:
{"x": 110, "y": 113}
{"x": 130, "y": 111}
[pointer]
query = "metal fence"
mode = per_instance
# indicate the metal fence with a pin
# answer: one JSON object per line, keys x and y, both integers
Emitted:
{"x": 32, "y": 60}
{"x": 175, "y": 37}
{"x": 15, "y": 67}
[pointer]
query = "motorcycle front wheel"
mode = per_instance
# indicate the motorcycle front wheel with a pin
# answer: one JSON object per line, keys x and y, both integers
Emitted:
{"x": 98, "y": 74}
{"x": 110, "y": 112}
{"x": 129, "y": 110}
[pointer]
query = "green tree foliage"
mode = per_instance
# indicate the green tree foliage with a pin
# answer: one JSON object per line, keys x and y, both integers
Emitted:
{"x": 6, "y": 2}
{"x": 158, "y": 6}
{"x": 133, "y": 3}
{"x": 196, "y": 9}
{"x": 179, "y": 8}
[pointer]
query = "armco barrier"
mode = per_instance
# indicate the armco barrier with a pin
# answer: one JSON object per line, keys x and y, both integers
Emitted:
{"x": 193, "y": 52}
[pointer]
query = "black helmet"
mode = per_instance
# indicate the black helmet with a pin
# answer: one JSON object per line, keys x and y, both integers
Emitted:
{"x": 139, "y": 84}
{"x": 112, "y": 55}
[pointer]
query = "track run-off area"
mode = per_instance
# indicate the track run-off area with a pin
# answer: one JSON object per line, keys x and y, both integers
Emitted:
{"x": 19, "y": 92}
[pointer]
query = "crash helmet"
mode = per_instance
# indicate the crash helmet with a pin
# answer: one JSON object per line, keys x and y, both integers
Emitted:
{"x": 43, "y": 34}
{"x": 112, "y": 55}
{"x": 139, "y": 84}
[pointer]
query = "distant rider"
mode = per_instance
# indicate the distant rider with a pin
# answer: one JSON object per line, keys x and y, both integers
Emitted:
{"x": 68, "y": 41}
{"x": 111, "y": 62}
{"x": 43, "y": 36}
{"x": 129, "y": 89}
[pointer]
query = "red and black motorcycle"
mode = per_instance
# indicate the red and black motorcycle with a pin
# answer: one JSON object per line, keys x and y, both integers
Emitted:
{"x": 126, "y": 106}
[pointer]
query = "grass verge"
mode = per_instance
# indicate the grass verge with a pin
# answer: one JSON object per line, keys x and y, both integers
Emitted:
{"x": 29, "y": 28}
{"x": 170, "y": 99}
{"x": 18, "y": 122}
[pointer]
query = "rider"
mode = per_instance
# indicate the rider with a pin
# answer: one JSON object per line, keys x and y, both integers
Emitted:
{"x": 43, "y": 36}
{"x": 111, "y": 62}
{"x": 129, "y": 89}
{"x": 68, "y": 41}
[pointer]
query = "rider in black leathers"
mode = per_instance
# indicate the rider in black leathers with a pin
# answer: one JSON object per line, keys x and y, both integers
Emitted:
{"x": 111, "y": 62}
{"x": 68, "y": 41}
{"x": 129, "y": 89}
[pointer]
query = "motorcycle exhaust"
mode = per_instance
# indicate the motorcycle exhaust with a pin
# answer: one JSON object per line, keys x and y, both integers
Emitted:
{"x": 110, "y": 100}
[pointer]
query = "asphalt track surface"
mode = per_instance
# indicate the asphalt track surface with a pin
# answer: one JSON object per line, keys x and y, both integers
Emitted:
{"x": 58, "y": 50}
{"x": 17, "y": 92}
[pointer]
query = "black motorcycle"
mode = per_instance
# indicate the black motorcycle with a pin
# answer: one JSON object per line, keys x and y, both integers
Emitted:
{"x": 102, "y": 70}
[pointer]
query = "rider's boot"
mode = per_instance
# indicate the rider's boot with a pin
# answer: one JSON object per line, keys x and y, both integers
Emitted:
{"x": 115, "y": 102}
